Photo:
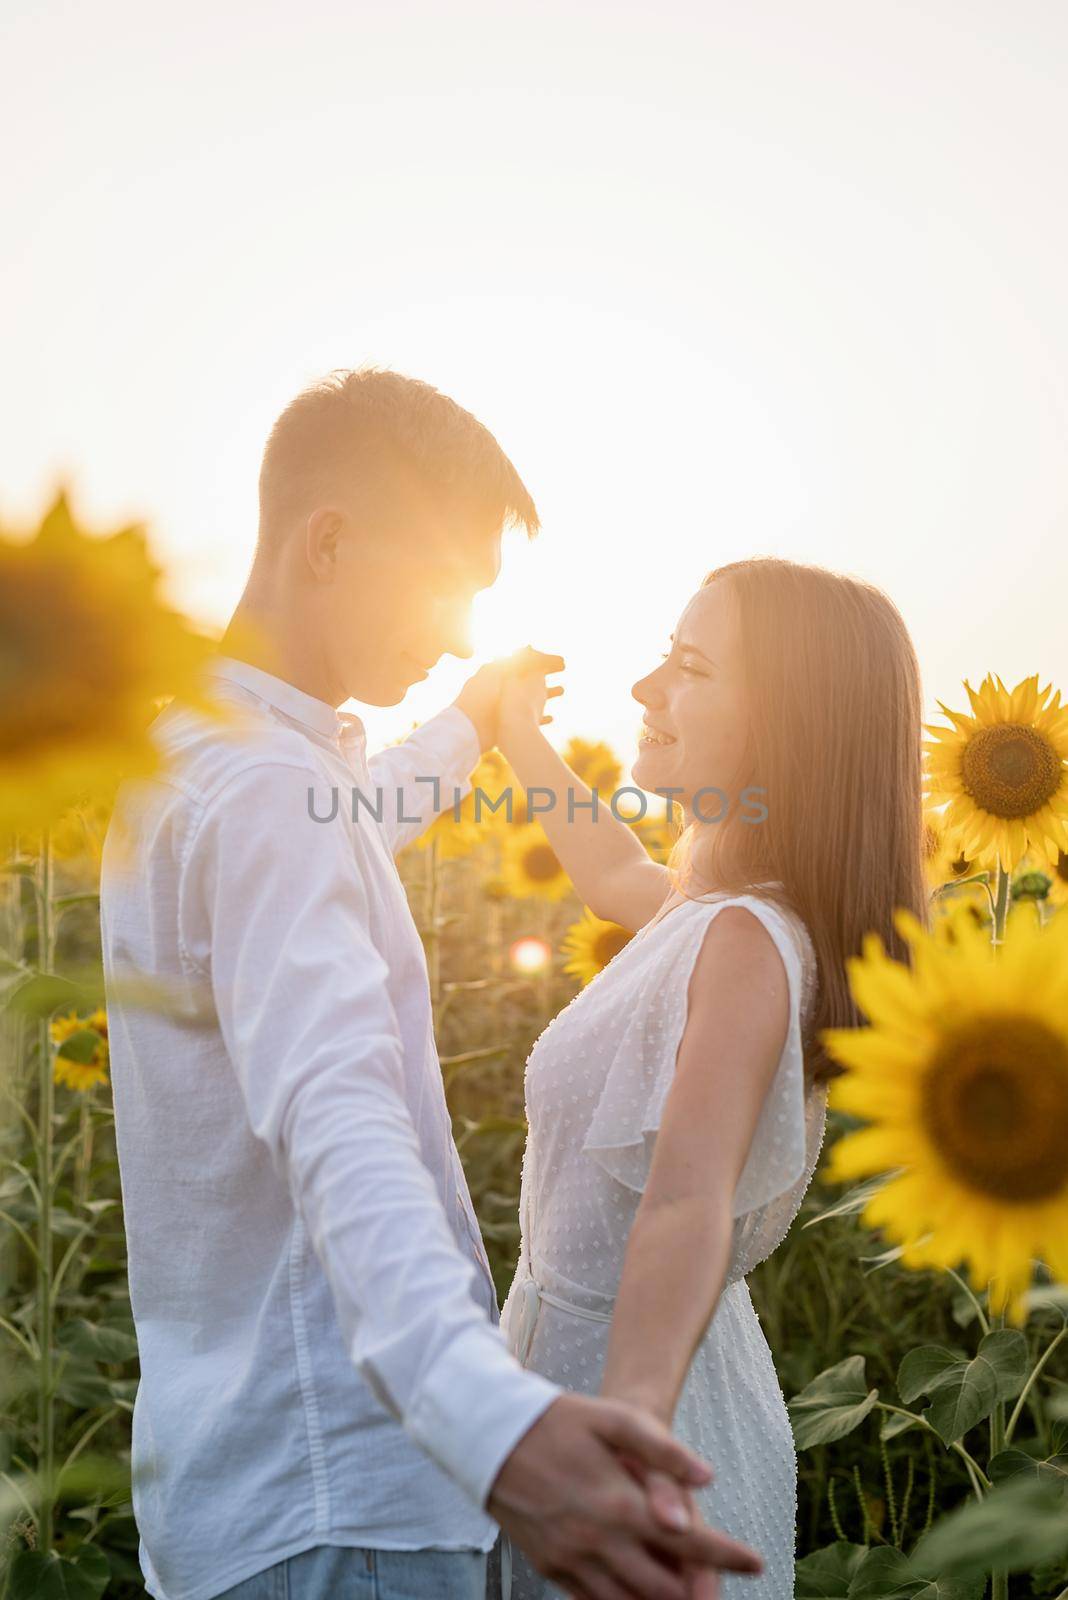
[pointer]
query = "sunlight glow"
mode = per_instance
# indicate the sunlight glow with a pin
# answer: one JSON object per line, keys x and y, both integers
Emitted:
{"x": 530, "y": 954}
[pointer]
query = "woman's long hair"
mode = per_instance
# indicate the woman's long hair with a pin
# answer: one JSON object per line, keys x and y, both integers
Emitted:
{"x": 833, "y": 693}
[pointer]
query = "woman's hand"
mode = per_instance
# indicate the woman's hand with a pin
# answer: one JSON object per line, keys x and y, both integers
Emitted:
{"x": 483, "y": 695}
{"x": 674, "y": 1506}
{"x": 524, "y": 692}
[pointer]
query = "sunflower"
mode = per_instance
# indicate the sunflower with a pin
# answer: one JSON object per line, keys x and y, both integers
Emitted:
{"x": 458, "y": 838}
{"x": 962, "y": 1077}
{"x": 596, "y": 764}
{"x": 88, "y": 653}
{"x": 591, "y": 943}
{"x": 530, "y": 866}
{"x": 77, "y": 1034}
{"x": 1003, "y": 770}
{"x": 943, "y": 860}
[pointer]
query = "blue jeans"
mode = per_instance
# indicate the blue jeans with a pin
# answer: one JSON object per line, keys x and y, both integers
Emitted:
{"x": 333, "y": 1572}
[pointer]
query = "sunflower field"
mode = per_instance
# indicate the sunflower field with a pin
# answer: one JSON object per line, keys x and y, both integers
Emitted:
{"x": 918, "y": 1310}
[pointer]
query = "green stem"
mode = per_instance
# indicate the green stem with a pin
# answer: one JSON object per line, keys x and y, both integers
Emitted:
{"x": 931, "y": 1481}
{"x": 836, "y": 1524}
{"x": 903, "y": 1518}
{"x": 1010, "y": 1428}
{"x": 983, "y": 1323}
{"x": 45, "y": 1115}
{"x": 999, "y": 1576}
{"x": 890, "y": 1503}
{"x": 1001, "y": 905}
{"x": 863, "y": 1504}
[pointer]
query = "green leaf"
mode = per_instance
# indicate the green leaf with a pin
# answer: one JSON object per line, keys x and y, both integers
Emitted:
{"x": 81, "y": 1046}
{"x": 1006, "y": 1350}
{"x": 882, "y": 1573}
{"x": 1018, "y": 1525}
{"x": 44, "y": 993}
{"x": 93, "y": 1565}
{"x": 826, "y": 1574}
{"x": 832, "y": 1405}
{"x": 1017, "y": 1463}
{"x": 44, "y": 1575}
{"x": 65, "y": 1223}
{"x": 962, "y": 1399}
{"x": 896, "y": 1422}
{"x": 95, "y": 1343}
{"x": 94, "y": 1477}
{"x": 964, "y": 1392}
{"x": 887, "y": 1574}
{"x": 83, "y": 1386}
{"x": 923, "y": 1369}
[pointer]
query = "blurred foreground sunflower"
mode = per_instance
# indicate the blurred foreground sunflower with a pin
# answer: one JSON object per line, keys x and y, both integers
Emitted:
{"x": 82, "y": 1058}
{"x": 962, "y": 1076}
{"x": 590, "y": 944}
{"x": 88, "y": 653}
{"x": 530, "y": 866}
{"x": 1003, "y": 770}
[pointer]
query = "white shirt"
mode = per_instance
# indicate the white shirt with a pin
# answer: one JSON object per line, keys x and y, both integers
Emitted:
{"x": 317, "y": 1324}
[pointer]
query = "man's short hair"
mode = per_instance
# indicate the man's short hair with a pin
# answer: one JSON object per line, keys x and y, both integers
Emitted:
{"x": 397, "y": 448}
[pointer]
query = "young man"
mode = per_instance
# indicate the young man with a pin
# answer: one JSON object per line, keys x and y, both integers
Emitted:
{"x": 326, "y": 1404}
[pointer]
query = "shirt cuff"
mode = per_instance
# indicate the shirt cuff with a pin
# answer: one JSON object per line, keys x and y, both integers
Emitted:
{"x": 479, "y": 1404}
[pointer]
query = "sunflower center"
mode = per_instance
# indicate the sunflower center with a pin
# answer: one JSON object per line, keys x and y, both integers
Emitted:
{"x": 1010, "y": 770}
{"x": 541, "y": 864}
{"x": 995, "y": 1103}
{"x": 609, "y": 943}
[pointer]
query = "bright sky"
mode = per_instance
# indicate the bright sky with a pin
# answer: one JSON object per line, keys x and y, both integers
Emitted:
{"x": 724, "y": 279}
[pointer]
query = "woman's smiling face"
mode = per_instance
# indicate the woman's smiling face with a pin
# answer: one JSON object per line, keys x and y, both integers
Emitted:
{"x": 694, "y": 707}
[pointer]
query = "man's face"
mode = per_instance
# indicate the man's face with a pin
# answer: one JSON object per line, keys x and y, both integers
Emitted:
{"x": 397, "y": 604}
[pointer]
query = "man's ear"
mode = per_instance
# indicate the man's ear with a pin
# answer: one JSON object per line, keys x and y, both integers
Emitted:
{"x": 322, "y": 537}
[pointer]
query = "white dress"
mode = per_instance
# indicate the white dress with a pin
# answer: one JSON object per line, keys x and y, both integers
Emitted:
{"x": 596, "y": 1082}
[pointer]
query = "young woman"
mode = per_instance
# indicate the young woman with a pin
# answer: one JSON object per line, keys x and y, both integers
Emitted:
{"x": 676, "y": 1106}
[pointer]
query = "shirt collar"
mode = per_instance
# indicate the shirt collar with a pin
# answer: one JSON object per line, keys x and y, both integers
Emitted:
{"x": 343, "y": 726}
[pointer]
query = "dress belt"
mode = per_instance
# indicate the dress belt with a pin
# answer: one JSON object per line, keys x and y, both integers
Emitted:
{"x": 531, "y": 1294}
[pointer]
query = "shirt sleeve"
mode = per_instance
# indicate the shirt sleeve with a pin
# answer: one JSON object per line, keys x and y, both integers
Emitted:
{"x": 445, "y": 748}
{"x": 305, "y": 1013}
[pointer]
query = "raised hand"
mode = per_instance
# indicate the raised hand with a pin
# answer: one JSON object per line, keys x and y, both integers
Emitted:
{"x": 509, "y": 692}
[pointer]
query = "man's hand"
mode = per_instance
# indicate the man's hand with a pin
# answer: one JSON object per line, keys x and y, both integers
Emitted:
{"x": 481, "y": 695}
{"x": 569, "y": 1495}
